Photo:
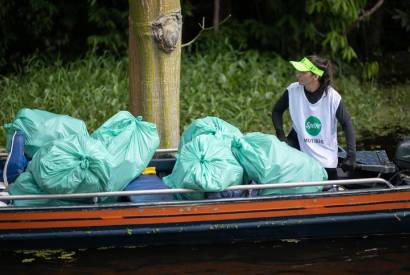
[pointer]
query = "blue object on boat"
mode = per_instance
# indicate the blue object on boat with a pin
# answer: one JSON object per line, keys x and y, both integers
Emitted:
{"x": 148, "y": 182}
{"x": 16, "y": 161}
{"x": 227, "y": 194}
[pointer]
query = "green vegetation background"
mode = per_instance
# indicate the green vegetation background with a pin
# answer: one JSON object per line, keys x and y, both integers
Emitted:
{"x": 216, "y": 79}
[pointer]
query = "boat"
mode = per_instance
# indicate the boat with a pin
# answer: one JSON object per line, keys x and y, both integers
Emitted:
{"x": 371, "y": 201}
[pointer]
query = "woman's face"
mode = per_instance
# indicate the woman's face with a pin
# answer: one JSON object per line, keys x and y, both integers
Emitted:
{"x": 306, "y": 78}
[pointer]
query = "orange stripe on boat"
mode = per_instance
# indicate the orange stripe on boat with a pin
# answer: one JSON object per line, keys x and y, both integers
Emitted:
{"x": 209, "y": 212}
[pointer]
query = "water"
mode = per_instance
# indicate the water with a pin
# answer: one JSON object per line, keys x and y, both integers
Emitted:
{"x": 372, "y": 255}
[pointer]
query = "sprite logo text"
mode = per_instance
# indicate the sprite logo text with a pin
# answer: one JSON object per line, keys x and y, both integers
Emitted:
{"x": 313, "y": 125}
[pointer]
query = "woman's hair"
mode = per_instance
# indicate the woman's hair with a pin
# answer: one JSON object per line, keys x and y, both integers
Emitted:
{"x": 322, "y": 63}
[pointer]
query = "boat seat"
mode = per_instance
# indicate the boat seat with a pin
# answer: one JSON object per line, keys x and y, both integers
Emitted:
{"x": 372, "y": 161}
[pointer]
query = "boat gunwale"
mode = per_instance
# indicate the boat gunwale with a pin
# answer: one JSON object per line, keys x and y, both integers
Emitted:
{"x": 185, "y": 190}
{"x": 204, "y": 202}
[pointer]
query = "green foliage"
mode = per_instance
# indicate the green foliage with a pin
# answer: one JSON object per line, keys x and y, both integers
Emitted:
{"x": 43, "y": 12}
{"x": 187, "y": 8}
{"x": 111, "y": 19}
{"x": 242, "y": 86}
{"x": 237, "y": 86}
{"x": 403, "y": 17}
{"x": 322, "y": 26}
{"x": 65, "y": 28}
{"x": 91, "y": 89}
{"x": 293, "y": 29}
{"x": 370, "y": 70}
{"x": 33, "y": 20}
{"x": 338, "y": 17}
{"x": 376, "y": 109}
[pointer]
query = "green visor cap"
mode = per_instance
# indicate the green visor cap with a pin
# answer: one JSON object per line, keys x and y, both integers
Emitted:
{"x": 305, "y": 65}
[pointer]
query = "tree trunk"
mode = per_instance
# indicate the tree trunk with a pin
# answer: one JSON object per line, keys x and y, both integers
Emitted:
{"x": 154, "y": 65}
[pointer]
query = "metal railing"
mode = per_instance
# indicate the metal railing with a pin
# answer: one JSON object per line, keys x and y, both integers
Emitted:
{"x": 165, "y": 151}
{"x": 3, "y": 155}
{"x": 95, "y": 196}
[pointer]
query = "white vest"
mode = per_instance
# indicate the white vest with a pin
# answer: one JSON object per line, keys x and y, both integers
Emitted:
{"x": 315, "y": 124}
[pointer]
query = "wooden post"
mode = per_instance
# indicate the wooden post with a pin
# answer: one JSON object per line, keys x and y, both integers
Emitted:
{"x": 154, "y": 65}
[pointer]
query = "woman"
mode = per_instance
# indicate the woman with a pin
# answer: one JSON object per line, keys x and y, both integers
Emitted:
{"x": 315, "y": 107}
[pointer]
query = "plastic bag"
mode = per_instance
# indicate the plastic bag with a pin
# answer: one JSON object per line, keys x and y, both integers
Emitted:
{"x": 76, "y": 164}
{"x": 41, "y": 127}
{"x": 209, "y": 126}
{"x": 26, "y": 185}
{"x": 132, "y": 144}
{"x": 205, "y": 164}
{"x": 267, "y": 160}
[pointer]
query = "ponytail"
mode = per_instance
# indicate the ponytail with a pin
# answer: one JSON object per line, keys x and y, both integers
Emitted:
{"x": 322, "y": 63}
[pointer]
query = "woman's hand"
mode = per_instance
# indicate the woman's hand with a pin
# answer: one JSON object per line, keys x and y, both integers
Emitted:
{"x": 349, "y": 164}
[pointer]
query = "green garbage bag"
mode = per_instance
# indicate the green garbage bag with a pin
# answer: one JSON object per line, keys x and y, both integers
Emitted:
{"x": 205, "y": 164}
{"x": 41, "y": 127}
{"x": 265, "y": 159}
{"x": 209, "y": 126}
{"x": 26, "y": 185}
{"x": 76, "y": 164}
{"x": 132, "y": 144}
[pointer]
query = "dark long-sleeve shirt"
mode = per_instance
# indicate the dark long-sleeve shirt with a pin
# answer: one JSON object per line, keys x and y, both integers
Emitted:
{"x": 342, "y": 117}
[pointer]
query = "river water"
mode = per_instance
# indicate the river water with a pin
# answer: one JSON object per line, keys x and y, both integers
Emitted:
{"x": 368, "y": 255}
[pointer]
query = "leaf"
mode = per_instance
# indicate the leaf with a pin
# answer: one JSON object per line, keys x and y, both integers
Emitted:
{"x": 28, "y": 260}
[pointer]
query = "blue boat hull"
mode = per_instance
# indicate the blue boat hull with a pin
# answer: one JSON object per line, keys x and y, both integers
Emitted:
{"x": 260, "y": 230}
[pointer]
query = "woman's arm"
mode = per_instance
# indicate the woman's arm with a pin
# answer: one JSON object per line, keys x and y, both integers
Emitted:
{"x": 277, "y": 115}
{"x": 344, "y": 119}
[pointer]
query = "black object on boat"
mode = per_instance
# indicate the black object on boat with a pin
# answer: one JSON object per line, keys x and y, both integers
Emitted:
{"x": 402, "y": 156}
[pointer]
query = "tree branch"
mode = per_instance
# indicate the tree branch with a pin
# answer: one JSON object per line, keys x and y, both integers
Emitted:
{"x": 203, "y": 28}
{"x": 364, "y": 15}
{"x": 368, "y": 13}
{"x": 216, "y": 14}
